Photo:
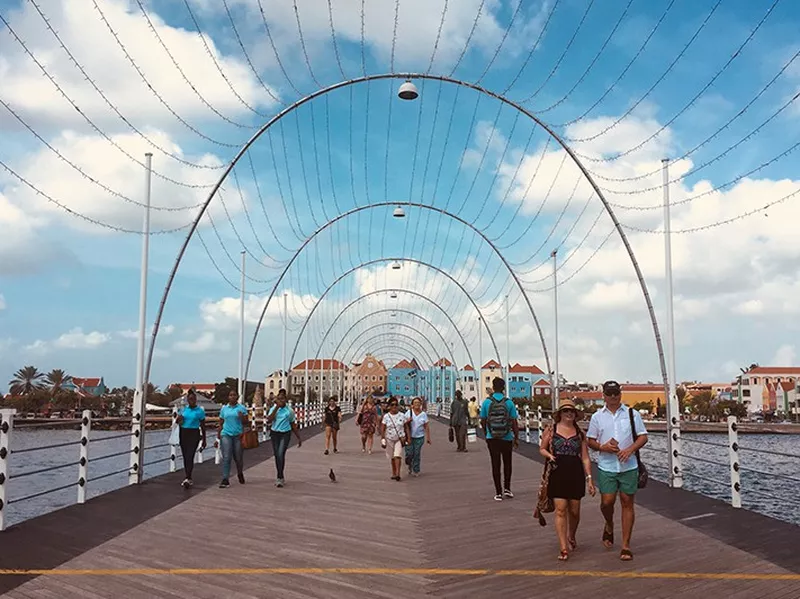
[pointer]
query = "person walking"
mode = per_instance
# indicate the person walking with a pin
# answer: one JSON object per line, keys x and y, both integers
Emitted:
{"x": 368, "y": 422}
{"x": 283, "y": 422}
{"x": 474, "y": 410}
{"x": 499, "y": 421}
{"x": 192, "y": 423}
{"x": 564, "y": 444}
{"x": 393, "y": 437}
{"x": 458, "y": 421}
{"x": 611, "y": 432}
{"x": 418, "y": 431}
{"x": 232, "y": 417}
{"x": 331, "y": 422}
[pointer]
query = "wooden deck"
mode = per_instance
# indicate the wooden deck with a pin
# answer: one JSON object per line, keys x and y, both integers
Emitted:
{"x": 440, "y": 535}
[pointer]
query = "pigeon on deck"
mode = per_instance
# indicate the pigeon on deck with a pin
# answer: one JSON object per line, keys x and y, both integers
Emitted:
{"x": 332, "y": 476}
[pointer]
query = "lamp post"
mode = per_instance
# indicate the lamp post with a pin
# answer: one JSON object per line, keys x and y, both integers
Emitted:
{"x": 241, "y": 336}
{"x": 139, "y": 407}
{"x": 556, "y": 373}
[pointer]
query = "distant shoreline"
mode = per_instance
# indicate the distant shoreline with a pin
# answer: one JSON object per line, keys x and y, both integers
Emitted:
{"x": 744, "y": 428}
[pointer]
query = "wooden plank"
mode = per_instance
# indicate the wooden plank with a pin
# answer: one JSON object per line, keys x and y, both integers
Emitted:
{"x": 447, "y": 518}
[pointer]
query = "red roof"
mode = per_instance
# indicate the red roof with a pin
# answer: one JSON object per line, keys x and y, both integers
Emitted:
{"x": 468, "y": 367}
{"x": 404, "y": 364}
{"x": 586, "y": 395}
{"x": 637, "y": 387}
{"x": 531, "y": 369}
{"x": 324, "y": 364}
{"x": 491, "y": 364}
{"x": 787, "y": 385}
{"x": 89, "y": 382}
{"x": 542, "y": 383}
{"x": 775, "y": 370}
{"x": 443, "y": 362}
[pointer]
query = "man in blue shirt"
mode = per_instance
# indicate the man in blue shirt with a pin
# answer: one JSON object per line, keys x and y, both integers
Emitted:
{"x": 610, "y": 432}
{"x": 499, "y": 422}
{"x": 232, "y": 417}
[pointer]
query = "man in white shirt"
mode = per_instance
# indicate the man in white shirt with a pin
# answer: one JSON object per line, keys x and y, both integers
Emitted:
{"x": 618, "y": 469}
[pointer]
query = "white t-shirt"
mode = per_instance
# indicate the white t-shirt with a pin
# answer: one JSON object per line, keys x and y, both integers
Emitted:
{"x": 418, "y": 422}
{"x": 395, "y": 426}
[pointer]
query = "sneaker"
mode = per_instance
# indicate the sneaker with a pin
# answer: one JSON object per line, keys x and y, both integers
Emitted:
{"x": 508, "y": 493}
{"x": 498, "y": 498}
{"x": 190, "y": 481}
{"x": 241, "y": 478}
{"x": 364, "y": 450}
{"x": 335, "y": 451}
{"x": 415, "y": 474}
{"x": 224, "y": 484}
{"x": 185, "y": 483}
{"x": 279, "y": 483}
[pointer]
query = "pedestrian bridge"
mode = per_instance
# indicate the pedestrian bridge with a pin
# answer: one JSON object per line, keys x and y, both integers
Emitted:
{"x": 439, "y": 535}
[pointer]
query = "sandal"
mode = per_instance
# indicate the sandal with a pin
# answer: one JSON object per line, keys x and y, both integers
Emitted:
{"x": 563, "y": 556}
{"x": 608, "y": 537}
{"x": 573, "y": 544}
{"x": 626, "y": 555}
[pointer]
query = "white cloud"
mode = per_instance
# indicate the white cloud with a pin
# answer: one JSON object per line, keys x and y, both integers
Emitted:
{"x": 73, "y": 339}
{"x": 201, "y": 344}
{"x": 752, "y": 307}
{"x": 82, "y": 30}
{"x": 786, "y": 355}
{"x": 223, "y": 314}
{"x": 134, "y": 334}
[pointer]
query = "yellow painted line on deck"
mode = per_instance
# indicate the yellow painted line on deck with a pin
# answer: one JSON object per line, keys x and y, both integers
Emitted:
{"x": 400, "y": 572}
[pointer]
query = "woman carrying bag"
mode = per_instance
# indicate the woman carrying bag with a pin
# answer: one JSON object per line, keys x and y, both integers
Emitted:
{"x": 393, "y": 437}
{"x": 566, "y": 474}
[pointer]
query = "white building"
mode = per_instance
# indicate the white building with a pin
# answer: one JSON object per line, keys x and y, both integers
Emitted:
{"x": 468, "y": 383}
{"x": 768, "y": 388}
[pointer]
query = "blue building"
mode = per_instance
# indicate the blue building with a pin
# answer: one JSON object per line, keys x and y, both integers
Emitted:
{"x": 403, "y": 379}
{"x": 88, "y": 387}
{"x": 442, "y": 381}
{"x": 521, "y": 380}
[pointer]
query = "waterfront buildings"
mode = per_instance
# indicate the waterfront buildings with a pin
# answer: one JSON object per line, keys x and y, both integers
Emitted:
{"x": 768, "y": 388}
{"x": 403, "y": 379}
{"x": 468, "y": 383}
{"x": 87, "y": 387}
{"x": 521, "y": 381}
{"x": 326, "y": 377}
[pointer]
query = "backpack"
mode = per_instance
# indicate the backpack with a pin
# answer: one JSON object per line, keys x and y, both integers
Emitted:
{"x": 497, "y": 421}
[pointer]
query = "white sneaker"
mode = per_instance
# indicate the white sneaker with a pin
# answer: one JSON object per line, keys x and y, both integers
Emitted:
{"x": 508, "y": 493}
{"x": 185, "y": 484}
{"x": 498, "y": 498}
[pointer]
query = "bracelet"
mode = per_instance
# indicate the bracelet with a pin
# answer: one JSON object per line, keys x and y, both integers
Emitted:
{"x": 588, "y": 477}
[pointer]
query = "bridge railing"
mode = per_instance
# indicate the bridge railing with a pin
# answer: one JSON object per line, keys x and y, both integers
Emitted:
{"x": 47, "y": 478}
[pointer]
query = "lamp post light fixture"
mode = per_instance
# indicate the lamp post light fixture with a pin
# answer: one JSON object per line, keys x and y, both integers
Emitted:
{"x": 393, "y": 295}
{"x": 395, "y": 265}
{"x": 399, "y": 212}
{"x": 408, "y": 91}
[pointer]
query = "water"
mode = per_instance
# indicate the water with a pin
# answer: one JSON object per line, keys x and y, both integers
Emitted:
{"x": 98, "y": 467}
{"x": 774, "y": 490}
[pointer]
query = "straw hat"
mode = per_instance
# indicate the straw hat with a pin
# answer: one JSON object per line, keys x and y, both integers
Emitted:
{"x": 568, "y": 403}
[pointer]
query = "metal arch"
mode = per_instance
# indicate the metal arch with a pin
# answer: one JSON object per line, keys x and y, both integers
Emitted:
{"x": 372, "y": 293}
{"x": 424, "y": 76}
{"x": 422, "y": 318}
{"x": 376, "y": 261}
{"x": 410, "y": 342}
{"x": 358, "y": 209}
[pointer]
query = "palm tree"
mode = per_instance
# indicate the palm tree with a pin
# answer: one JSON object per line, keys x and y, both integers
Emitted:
{"x": 25, "y": 381}
{"x": 57, "y": 378}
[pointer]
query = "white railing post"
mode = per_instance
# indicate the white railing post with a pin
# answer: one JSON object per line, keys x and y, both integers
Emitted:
{"x": 83, "y": 464}
{"x": 527, "y": 424}
{"x": 172, "y": 451}
{"x": 733, "y": 454}
{"x": 6, "y": 426}
{"x": 539, "y": 423}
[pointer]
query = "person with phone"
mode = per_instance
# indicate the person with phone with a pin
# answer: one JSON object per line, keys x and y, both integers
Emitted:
{"x": 611, "y": 432}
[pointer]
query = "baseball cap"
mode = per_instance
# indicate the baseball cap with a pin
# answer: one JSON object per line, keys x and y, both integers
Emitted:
{"x": 611, "y": 388}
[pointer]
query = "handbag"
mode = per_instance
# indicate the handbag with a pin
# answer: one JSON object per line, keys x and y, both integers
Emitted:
{"x": 644, "y": 476}
{"x": 402, "y": 439}
{"x": 249, "y": 439}
{"x": 451, "y": 435}
{"x": 360, "y": 419}
{"x": 544, "y": 503}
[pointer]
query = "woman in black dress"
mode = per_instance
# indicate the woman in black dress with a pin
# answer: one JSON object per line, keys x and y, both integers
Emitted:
{"x": 331, "y": 421}
{"x": 564, "y": 444}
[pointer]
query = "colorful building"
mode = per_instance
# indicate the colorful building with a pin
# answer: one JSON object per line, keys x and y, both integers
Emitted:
{"x": 467, "y": 383}
{"x": 491, "y": 369}
{"x": 403, "y": 379}
{"x": 367, "y": 376}
{"x": 325, "y": 378}
{"x": 87, "y": 387}
{"x": 521, "y": 380}
{"x": 767, "y": 388}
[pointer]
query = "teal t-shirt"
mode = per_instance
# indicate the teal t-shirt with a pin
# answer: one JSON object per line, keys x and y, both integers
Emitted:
{"x": 192, "y": 417}
{"x": 231, "y": 423}
{"x": 512, "y": 414}
{"x": 283, "y": 420}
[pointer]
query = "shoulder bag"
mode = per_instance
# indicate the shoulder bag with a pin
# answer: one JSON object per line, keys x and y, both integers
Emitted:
{"x": 544, "y": 503}
{"x": 402, "y": 439}
{"x": 643, "y": 474}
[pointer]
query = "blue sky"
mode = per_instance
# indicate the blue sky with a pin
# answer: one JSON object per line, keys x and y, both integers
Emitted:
{"x": 69, "y": 288}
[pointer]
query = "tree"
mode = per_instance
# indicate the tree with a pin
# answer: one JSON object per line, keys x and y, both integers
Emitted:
{"x": 57, "y": 378}
{"x": 645, "y": 406}
{"x": 26, "y": 380}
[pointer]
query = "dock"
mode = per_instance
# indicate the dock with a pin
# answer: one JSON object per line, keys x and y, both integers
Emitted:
{"x": 439, "y": 535}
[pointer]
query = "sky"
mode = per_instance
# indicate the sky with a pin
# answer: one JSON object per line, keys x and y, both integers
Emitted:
{"x": 488, "y": 188}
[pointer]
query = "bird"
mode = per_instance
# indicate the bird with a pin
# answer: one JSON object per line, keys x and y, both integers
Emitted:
{"x": 332, "y": 476}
